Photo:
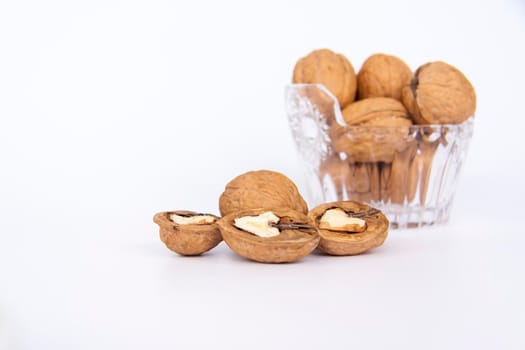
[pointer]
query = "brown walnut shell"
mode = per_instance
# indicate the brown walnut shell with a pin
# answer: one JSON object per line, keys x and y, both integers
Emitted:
{"x": 261, "y": 189}
{"x": 383, "y": 76}
{"x": 290, "y": 245}
{"x": 332, "y": 70}
{"x": 341, "y": 243}
{"x": 192, "y": 239}
{"x": 378, "y": 128}
{"x": 439, "y": 94}
{"x": 376, "y": 110}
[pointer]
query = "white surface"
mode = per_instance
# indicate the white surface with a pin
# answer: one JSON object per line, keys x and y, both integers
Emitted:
{"x": 113, "y": 110}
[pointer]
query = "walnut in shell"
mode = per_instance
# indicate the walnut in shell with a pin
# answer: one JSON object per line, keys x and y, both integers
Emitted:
{"x": 380, "y": 111}
{"x": 378, "y": 128}
{"x": 349, "y": 236}
{"x": 261, "y": 189}
{"x": 275, "y": 235}
{"x": 439, "y": 94}
{"x": 383, "y": 76}
{"x": 332, "y": 70}
{"x": 187, "y": 232}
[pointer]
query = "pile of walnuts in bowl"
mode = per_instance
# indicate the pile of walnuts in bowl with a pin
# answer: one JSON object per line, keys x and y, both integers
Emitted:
{"x": 264, "y": 218}
{"x": 386, "y": 135}
{"x": 385, "y": 91}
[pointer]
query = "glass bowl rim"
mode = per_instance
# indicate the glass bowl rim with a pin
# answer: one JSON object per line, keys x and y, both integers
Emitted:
{"x": 415, "y": 127}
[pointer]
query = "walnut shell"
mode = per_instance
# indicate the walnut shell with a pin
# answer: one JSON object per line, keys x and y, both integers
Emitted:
{"x": 192, "y": 239}
{"x": 332, "y": 70}
{"x": 378, "y": 128}
{"x": 341, "y": 243}
{"x": 383, "y": 76}
{"x": 290, "y": 245}
{"x": 439, "y": 94}
{"x": 376, "y": 110}
{"x": 261, "y": 189}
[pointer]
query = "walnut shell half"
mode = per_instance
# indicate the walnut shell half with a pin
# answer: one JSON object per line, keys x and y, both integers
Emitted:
{"x": 342, "y": 243}
{"x": 297, "y": 237}
{"x": 261, "y": 189}
{"x": 187, "y": 239}
{"x": 332, "y": 70}
{"x": 383, "y": 76}
{"x": 439, "y": 94}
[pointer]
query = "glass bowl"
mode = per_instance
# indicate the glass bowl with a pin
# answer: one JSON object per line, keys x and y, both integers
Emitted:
{"x": 409, "y": 172}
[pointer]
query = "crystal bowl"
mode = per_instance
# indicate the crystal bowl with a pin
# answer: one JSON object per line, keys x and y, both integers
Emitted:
{"x": 409, "y": 172}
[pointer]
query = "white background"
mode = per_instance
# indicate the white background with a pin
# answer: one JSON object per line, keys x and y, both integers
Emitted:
{"x": 113, "y": 110}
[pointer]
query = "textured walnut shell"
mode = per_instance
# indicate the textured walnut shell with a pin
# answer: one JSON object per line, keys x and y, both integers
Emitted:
{"x": 380, "y": 111}
{"x": 261, "y": 189}
{"x": 383, "y": 76}
{"x": 439, "y": 94}
{"x": 332, "y": 70}
{"x": 288, "y": 246}
{"x": 340, "y": 243}
{"x": 190, "y": 239}
{"x": 370, "y": 144}
{"x": 378, "y": 128}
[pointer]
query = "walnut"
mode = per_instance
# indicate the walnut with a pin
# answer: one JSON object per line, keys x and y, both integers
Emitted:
{"x": 359, "y": 238}
{"x": 439, "y": 94}
{"x": 332, "y": 70}
{"x": 383, "y": 76}
{"x": 261, "y": 189}
{"x": 378, "y": 128}
{"x": 275, "y": 235}
{"x": 378, "y": 111}
{"x": 187, "y": 232}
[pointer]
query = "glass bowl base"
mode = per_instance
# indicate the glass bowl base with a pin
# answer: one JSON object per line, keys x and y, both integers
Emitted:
{"x": 402, "y": 217}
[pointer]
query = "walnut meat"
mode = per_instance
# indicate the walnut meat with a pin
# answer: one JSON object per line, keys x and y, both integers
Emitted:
{"x": 188, "y": 233}
{"x": 335, "y": 241}
{"x": 439, "y": 94}
{"x": 261, "y": 189}
{"x": 332, "y": 70}
{"x": 276, "y": 235}
{"x": 383, "y": 76}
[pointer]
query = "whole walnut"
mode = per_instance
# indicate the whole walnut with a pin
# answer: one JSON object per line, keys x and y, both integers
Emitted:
{"x": 439, "y": 94}
{"x": 383, "y": 76}
{"x": 379, "y": 111}
{"x": 261, "y": 189}
{"x": 332, "y": 70}
{"x": 377, "y": 128}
